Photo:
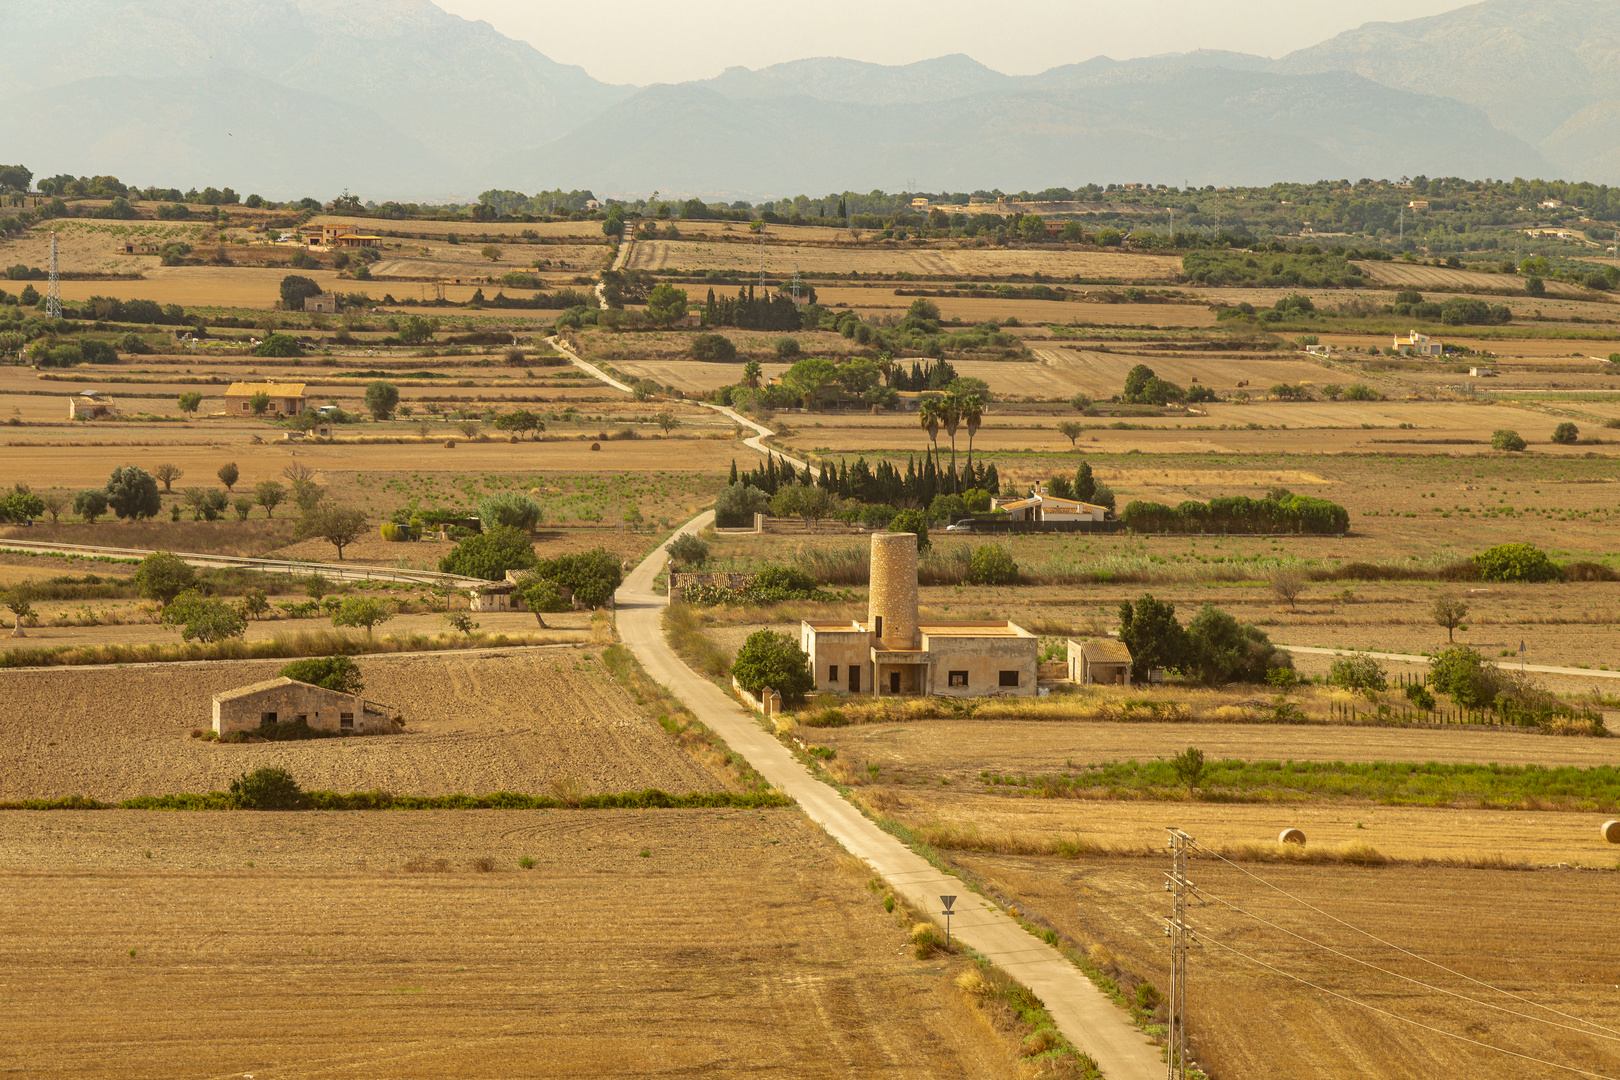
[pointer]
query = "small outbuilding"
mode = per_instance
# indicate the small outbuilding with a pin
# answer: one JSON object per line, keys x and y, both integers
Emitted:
{"x": 90, "y": 405}
{"x": 1107, "y": 663}
{"x": 285, "y": 399}
{"x": 286, "y": 701}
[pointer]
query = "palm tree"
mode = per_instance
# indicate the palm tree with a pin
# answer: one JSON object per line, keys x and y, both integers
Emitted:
{"x": 928, "y": 416}
{"x": 972, "y": 406}
{"x": 950, "y": 415}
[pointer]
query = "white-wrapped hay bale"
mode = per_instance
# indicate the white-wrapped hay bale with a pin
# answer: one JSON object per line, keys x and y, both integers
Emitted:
{"x": 1611, "y": 831}
{"x": 1291, "y": 836}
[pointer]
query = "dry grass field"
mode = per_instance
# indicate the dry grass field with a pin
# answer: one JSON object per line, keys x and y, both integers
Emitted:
{"x": 1402, "y": 275}
{"x": 877, "y": 302}
{"x": 1510, "y": 930}
{"x": 885, "y": 258}
{"x": 538, "y": 721}
{"x": 300, "y": 945}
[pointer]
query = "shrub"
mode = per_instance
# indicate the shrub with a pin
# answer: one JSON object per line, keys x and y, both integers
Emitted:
{"x": 542, "y": 596}
{"x": 787, "y": 348}
{"x": 382, "y": 398}
{"x": 204, "y": 618}
{"x": 1420, "y": 697}
{"x": 509, "y": 509}
{"x": 1466, "y": 676}
{"x": 593, "y": 575}
{"x": 713, "y": 347}
{"x": 1566, "y": 434}
{"x": 338, "y": 673}
{"x": 90, "y": 505}
{"x": 132, "y": 493}
{"x": 489, "y": 555}
{"x": 1357, "y": 672}
{"x": 775, "y": 583}
{"x": 992, "y": 565}
{"x": 162, "y": 576}
{"x": 912, "y": 521}
{"x": 267, "y": 788}
{"x": 366, "y": 611}
{"x": 277, "y": 345}
{"x": 688, "y": 550}
{"x": 1516, "y": 562}
{"x": 770, "y": 659}
{"x": 1361, "y": 392}
{"x": 1504, "y": 439}
{"x": 1222, "y": 650}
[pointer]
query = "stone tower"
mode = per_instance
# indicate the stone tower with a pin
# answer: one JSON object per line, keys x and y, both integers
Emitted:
{"x": 892, "y": 607}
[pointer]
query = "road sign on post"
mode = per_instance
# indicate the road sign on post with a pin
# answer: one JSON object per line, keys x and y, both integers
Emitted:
{"x": 947, "y": 901}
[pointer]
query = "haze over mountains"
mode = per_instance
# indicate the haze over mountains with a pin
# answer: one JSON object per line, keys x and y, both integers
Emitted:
{"x": 398, "y": 99}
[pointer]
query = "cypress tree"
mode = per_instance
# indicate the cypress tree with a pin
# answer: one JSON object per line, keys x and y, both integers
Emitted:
{"x": 733, "y": 460}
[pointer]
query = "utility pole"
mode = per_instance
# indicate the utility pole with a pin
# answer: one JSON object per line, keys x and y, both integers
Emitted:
{"x": 53, "y": 296}
{"x": 795, "y": 283}
{"x": 1181, "y": 937}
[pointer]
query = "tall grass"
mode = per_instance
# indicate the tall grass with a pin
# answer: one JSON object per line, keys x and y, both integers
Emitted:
{"x": 321, "y": 642}
{"x": 683, "y": 626}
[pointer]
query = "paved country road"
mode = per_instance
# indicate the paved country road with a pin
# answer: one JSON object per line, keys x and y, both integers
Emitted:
{"x": 1083, "y": 1014}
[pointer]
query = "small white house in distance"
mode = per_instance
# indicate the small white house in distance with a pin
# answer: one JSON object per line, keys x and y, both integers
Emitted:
{"x": 1482, "y": 373}
{"x": 1038, "y": 506}
{"x": 1416, "y": 344}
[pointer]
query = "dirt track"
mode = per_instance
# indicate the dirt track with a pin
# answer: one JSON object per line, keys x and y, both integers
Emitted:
{"x": 514, "y": 720}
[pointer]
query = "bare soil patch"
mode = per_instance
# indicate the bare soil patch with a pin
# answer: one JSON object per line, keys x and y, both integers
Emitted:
{"x": 453, "y": 972}
{"x": 513, "y": 720}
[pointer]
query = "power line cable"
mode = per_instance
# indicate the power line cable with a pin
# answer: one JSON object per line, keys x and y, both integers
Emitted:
{"x": 1405, "y": 951}
{"x": 1407, "y": 1020}
{"x": 1405, "y": 978}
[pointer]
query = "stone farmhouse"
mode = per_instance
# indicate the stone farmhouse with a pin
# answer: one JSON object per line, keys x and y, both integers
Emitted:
{"x": 1104, "y": 662}
{"x": 284, "y": 701}
{"x": 286, "y": 399}
{"x": 328, "y": 237}
{"x": 1416, "y": 344}
{"x": 894, "y": 653}
{"x": 90, "y": 405}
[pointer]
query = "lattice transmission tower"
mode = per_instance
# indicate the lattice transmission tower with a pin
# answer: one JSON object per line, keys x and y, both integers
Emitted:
{"x": 53, "y": 295}
{"x": 1181, "y": 940}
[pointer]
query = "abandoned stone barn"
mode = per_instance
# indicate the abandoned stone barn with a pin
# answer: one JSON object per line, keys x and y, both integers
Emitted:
{"x": 285, "y": 701}
{"x": 894, "y": 653}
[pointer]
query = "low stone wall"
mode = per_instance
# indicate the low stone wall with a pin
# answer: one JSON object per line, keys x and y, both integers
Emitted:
{"x": 678, "y": 583}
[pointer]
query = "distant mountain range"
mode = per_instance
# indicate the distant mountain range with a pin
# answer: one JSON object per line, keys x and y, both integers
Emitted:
{"x": 398, "y": 99}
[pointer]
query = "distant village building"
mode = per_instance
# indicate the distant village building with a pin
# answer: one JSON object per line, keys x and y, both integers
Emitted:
{"x": 286, "y": 399}
{"x": 894, "y": 653}
{"x": 1418, "y": 204}
{"x": 593, "y": 204}
{"x": 326, "y": 303}
{"x": 90, "y": 405}
{"x": 1038, "y": 506}
{"x": 1416, "y": 344}
{"x": 1551, "y": 204}
{"x": 285, "y": 701}
{"x": 327, "y": 237}
{"x": 133, "y": 248}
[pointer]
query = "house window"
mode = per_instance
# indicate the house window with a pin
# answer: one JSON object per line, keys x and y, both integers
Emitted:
{"x": 1009, "y": 678}
{"x": 346, "y": 721}
{"x": 247, "y": 406}
{"x": 877, "y": 627}
{"x": 957, "y": 678}
{"x": 266, "y": 719}
{"x": 832, "y": 673}
{"x": 303, "y": 718}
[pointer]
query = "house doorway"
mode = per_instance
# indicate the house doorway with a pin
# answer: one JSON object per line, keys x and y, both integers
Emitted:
{"x": 894, "y": 682}
{"x": 854, "y": 678}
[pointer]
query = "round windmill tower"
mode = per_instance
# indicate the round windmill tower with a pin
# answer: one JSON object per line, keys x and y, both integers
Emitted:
{"x": 892, "y": 606}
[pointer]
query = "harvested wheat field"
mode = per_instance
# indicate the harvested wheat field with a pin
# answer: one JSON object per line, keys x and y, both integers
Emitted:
{"x": 1517, "y": 931}
{"x": 879, "y": 259}
{"x": 1400, "y": 275}
{"x": 303, "y": 944}
{"x": 884, "y": 300}
{"x": 527, "y": 720}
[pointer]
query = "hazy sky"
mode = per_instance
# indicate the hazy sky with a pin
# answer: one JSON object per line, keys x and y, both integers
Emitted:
{"x": 631, "y": 41}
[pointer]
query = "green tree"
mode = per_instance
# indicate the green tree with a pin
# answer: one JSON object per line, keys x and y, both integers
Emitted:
{"x": 1085, "y": 484}
{"x": 912, "y": 521}
{"x": 417, "y": 330}
{"x": 190, "y": 402}
{"x": 509, "y": 509}
{"x": 1566, "y": 434}
{"x": 24, "y": 505}
{"x": 203, "y": 618}
{"x": 295, "y": 289}
{"x": 859, "y": 375}
{"x": 1081, "y": 403}
{"x": 1223, "y": 650}
{"x": 1449, "y": 612}
{"x": 490, "y": 554}
{"x": 736, "y": 505}
{"x": 1534, "y": 286}
{"x": 668, "y": 421}
{"x": 20, "y": 599}
{"x": 269, "y": 494}
{"x": 338, "y": 525}
{"x": 519, "y": 420}
{"x": 1032, "y": 227}
{"x": 751, "y": 373}
{"x": 338, "y": 673}
{"x": 594, "y": 575}
{"x": 1071, "y": 430}
{"x": 255, "y": 604}
{"x": 810, "y": 378}
{"x": 382, "y": 398}
{"x": 278, "y": 345}
{"x": 244, "y": 507}
{"x": 366, "y": 611}
{"x": 207, "y": 504}
{"x": 687, "y": 550}
{"x": 773, "y": 660}
{"x": 1466, "y": 675}
{"x": 132, "y": 493}
{"x": 268, "y": 787}
{"x": 1505, "y": 439}
{"x": 666, "y": 305}
{"x": 1150, "y": 631}
{"x": 713, "y": 348}
{"x": 90, "y": 505}
{"x": 229, "y": 474}
{"x": 168, "y": 473}
{"x": 260, "y": 403}
{"x": 1189, "y": 768}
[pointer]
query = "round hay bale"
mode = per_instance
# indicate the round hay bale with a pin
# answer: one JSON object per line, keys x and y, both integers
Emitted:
{"x": 1291, "y": 836}
{"x": 512, "y": 439}
{"x": 596, "y": 446}
{"x": 451, "y": 443}
{"x": 1610, "y": 831}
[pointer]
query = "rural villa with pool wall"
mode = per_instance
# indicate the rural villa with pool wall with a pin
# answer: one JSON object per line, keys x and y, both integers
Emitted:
{"x": 895, "y": 653}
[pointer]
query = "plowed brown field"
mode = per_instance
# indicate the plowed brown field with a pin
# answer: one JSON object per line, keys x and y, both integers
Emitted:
{"x": 523, "y": 720}
{"x": 703, "y": 943}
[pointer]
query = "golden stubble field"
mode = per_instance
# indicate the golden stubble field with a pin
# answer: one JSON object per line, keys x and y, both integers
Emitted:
{"x": 538, "y": 721}
{"x": 300, "y": 944}
{"x": 946, "y": 261}
{"x": 1508, "y": 929}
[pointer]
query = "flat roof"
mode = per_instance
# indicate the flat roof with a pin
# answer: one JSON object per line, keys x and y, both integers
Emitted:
{"x": 973, "y": 629}
{"x": 273, "y": 389}
{"x": 836, "y": 627}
